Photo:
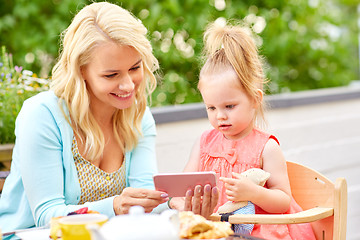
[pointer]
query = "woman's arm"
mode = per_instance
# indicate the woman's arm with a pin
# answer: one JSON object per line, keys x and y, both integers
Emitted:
{"x": 141, "y": 166}
{"x": 39, "y": 155}
{"x": 141, "y": 162}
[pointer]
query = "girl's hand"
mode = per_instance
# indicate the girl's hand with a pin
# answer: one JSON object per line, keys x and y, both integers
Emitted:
{"x": 148, "y": 199}
{"x": 239, "y": 188}
{"x": 203, "y": 204}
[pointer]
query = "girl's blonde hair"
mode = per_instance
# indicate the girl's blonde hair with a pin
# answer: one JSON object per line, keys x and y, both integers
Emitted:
{"x": 95, "y": 24}
{"x": 232, "y": 47}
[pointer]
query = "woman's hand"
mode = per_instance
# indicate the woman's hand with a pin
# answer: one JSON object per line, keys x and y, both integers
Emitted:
{"x": 199, "y": 203}
{"x": 148, "y": 199}
{"x": 177, "y": 203}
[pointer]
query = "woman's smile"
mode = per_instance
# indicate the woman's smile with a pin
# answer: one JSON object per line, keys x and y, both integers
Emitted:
{"x": 124, "y": 95}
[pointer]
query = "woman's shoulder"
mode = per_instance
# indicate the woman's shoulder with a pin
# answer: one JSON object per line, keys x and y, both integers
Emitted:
{"x": 148, "y": 122}
{"x": 42, "y": 104}
{"x": 47, "y": 98}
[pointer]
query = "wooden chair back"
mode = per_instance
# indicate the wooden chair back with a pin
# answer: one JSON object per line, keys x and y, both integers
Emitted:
{"x": 311, "y": 189}
{"x": 324, "y": 204}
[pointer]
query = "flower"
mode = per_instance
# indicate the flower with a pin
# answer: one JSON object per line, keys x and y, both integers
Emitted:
{"x": 27, "y": 73}
{"x": 16, "y": 85}
{"x": 18, "y": 69}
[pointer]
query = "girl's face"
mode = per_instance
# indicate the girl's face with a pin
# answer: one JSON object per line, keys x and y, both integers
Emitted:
{"x": 230, "y": 110}
{"x": 112, "y": 77}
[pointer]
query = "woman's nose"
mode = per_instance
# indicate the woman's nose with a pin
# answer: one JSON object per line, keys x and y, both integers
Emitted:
{"x": 127, "y": 84}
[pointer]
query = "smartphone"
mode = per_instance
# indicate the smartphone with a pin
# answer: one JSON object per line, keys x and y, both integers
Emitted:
{"x": 177, "y": 184}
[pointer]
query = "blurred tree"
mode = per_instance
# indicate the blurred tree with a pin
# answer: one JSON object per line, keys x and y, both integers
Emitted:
{"x": 306, "y": 44}
{"x": 30, "y": 30}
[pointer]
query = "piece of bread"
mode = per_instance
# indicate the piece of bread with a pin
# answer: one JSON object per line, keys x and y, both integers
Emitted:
{"x": 193, "y": 226}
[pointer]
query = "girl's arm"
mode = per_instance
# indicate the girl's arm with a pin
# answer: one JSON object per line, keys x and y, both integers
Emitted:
{"x": 275, "y": 198}
{"x": 278, "y": 192}
{"x": 191, "y": 166}
{"x": 193, "y": 201}
{"x": 193, "y": 163}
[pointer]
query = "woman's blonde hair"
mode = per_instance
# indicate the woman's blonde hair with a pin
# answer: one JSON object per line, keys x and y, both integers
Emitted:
{"x": 95, "y": 24}
{"x": 232, "y": 47}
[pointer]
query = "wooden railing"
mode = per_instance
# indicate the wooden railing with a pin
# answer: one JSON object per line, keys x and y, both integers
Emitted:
{"x": 5, "y": 155}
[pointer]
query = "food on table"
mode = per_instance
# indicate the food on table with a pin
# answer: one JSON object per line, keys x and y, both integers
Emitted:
{"x": 193, "y": 226}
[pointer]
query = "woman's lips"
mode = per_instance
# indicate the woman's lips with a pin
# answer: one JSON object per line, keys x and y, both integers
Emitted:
{"x": 126, "y": 95}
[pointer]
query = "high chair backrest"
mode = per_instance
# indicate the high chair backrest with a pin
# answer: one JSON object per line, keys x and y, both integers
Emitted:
{"x": 324, "y": 204}
{"x": 311, "y": 189}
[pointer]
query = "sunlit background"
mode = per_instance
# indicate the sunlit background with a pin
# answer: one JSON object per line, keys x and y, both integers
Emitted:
{"x": 305, "y": 44}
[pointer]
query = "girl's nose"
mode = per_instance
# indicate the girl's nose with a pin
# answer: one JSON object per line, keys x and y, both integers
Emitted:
{"x": 221, "y": 115}
{"x": 127, "y": 84}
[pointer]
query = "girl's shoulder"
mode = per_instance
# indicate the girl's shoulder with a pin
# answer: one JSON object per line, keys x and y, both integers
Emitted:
{"x": 265, "y": 136}
{"x": 211, "y": 135}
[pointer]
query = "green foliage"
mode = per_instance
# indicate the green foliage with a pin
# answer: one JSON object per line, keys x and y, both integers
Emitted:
{"x": 306, "y": 44}
{"x": 31, "y": 30}
{"x": 16, "y": 85}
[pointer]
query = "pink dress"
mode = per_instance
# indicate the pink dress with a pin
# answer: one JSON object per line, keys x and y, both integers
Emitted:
{"x": 225, "y": 156}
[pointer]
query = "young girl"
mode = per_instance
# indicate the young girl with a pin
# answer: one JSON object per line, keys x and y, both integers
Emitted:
{"x": 231, "y": 82}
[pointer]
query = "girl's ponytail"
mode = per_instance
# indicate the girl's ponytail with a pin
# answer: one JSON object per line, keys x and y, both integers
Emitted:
{"x": 233, "y": 46}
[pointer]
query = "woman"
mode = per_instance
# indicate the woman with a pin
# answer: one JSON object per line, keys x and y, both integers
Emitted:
{"x": 89, "y": 141}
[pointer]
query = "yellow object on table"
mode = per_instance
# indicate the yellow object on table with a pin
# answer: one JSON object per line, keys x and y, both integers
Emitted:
{"x": 74, "y": 227}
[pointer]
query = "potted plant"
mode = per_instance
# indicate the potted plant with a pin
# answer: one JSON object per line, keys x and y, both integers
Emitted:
{"x": 16, "y": 85}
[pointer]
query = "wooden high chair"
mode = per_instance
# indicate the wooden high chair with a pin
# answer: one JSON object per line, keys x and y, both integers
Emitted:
{"x": 324, "y": 204}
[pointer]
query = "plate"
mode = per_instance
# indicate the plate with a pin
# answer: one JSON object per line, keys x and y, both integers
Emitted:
{"x": 39, "y": 234}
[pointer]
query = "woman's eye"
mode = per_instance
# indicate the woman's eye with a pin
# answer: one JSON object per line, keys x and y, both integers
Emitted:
{"x": 110, "y": 75}
{"x": 135, "y": 68}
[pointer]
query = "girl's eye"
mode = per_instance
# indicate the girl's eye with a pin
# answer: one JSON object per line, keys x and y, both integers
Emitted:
{"x": 230, "y": 106}
{"x": 211, "y": 108}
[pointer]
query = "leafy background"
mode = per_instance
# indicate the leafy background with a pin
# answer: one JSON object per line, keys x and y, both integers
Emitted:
{"x": 306, "y": 44}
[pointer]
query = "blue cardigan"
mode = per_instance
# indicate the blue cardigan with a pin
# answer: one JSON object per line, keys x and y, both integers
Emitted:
{"x": 43, "y": 181}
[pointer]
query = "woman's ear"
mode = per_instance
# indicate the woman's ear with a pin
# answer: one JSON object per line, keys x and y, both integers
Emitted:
{"x": 82, "y": 72}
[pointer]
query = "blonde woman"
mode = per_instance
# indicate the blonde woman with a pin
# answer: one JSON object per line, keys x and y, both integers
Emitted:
{"x": 89, "y": 141}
